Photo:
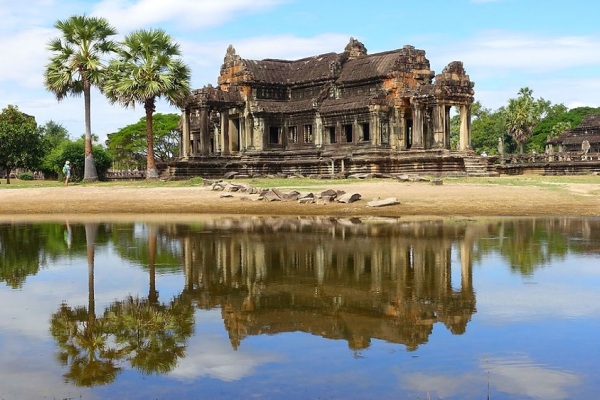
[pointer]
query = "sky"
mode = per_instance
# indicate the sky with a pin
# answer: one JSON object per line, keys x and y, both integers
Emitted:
{"x": 550, "y": 46}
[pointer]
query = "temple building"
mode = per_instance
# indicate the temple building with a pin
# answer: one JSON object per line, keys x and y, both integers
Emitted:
{"x": 327, "y": 114}
{"x": 572, "y": 140}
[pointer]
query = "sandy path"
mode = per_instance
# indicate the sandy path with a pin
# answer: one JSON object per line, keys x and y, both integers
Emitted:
{"x": 420, "y": 199}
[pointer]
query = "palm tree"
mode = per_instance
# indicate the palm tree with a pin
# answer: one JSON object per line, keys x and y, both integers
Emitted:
{"x": 148, "y": 67}
{"x": 522, "y": 115}
{"x": 76, "y": 65}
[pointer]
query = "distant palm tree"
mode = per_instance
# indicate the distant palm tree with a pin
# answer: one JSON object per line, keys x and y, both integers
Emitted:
{"x": 522, "y": 115}
{"x": 148, "y": 67}
{"x": 76, "y": 65}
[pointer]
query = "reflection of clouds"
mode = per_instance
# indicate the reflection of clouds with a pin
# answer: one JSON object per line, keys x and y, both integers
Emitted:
{"x": 209, "y": 353}
{"x": 565, "y": 289}
{"x": 519, "y": 375}
{"x": 548, "y": 300}
{"x": 467, "y": 386}
{"x": 24, "y": 374}
{"x": 212, "y": 356}
{"x": 515, "y": 375}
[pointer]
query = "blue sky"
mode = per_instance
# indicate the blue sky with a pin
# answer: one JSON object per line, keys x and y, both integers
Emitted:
{"x": 551, "y": 46}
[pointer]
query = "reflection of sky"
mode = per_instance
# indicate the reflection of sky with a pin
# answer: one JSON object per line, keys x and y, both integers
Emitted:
{"x": 537, "y": 333}
{"x": 29, "y": 369}
{"x": 209, "y": 354}
{"x": 566, "y": 289}
{"x": 516, "y": 375}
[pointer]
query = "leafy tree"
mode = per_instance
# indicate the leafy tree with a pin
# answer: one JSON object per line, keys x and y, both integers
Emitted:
{"x": 76, "y": 66}
{"x": 54, "y": 134}
{"x": 74, "y": 152}
{"x": 148, "y": 67}
{"x": 128, "y": 145}
{"x": 522, "y": 115}
{"x": 556, "y": 122}
{"x": 20, "y": 141}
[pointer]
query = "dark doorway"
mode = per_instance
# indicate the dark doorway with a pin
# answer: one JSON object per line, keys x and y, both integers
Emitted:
{"x": 332, "y": 138}
{"x": 274, "y": 135}
{"x": 347, "y": 132}
{"x": 408, "y": 133}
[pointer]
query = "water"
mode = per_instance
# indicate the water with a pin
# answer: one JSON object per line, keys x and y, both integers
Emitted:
{"x": 300, "y": 308}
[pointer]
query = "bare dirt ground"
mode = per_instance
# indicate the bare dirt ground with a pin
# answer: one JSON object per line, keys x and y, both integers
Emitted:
{"x": 416, "y": 199}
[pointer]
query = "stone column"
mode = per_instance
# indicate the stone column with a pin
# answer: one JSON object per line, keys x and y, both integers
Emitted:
{"x": 401, "y": 133}
{"x": 465, "y": 128}
{"x": 417, "y": 131}
{"x": 318, "y": 133}
{"x": 204, "y": 131}
{"x": 225, "y": 145}
{"x": 439, "y": 123}
{"x": 185, "y": 140}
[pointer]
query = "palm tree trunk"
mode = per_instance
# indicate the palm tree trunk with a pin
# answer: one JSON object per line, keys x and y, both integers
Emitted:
{"x": 91, "y": 231}
{"x": 151, "y": 171}
{"x": 89, "y": 169}
{"x": 152, "y": 293}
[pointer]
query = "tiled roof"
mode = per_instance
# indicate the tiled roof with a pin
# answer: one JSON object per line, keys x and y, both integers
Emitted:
{"x": 289, "y": 72}
{"x": 345, "y": 104}
{"x": 288, "y": 106}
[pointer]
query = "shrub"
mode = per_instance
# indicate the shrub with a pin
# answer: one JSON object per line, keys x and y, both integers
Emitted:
{"x": 26, "y": 176}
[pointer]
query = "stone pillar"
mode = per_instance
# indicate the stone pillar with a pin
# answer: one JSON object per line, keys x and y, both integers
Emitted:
{"x": 204, "y": 131}
{"x": 225, "y": 145}
{"x": 465, "y": 128}
{"x": 439, "y": 123}
{"x": 417, "y": 131}
{"x": 185, "y": 140}
{"x": 319, "y": 139}
{"x": 401, "y": 134}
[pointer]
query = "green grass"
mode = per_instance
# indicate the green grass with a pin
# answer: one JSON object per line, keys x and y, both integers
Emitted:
{"x": 547, "y": 182}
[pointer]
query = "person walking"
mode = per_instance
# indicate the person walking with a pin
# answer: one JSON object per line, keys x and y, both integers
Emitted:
{"x": 67, "y": 172}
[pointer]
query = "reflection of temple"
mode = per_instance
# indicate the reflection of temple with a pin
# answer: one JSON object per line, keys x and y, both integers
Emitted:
{"x": 341, "y": 280}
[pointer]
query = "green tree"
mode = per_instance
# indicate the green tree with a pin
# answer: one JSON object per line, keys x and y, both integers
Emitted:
{"x": 20, "y": 141}
{"x": 54, "y": 135}
{"x": 522, "y": 115}
{"x": 74, "y": 152}
{"x": 76, "y": 66}
{"x": 148, "y": 67}
{"x": 128, "y": 145}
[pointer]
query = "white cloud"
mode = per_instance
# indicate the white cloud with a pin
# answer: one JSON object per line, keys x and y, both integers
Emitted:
{"x": 505, "y": 50}
{"x": 128, "y": 15}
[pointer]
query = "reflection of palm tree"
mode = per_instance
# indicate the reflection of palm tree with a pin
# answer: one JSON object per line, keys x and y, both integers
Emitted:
{"x": 83, "y": 346}
{"x": 152, "y": 335}
{"x": 81, "y": 337}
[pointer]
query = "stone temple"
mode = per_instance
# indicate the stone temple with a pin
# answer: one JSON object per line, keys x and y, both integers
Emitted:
{"x": 330, "y": 114}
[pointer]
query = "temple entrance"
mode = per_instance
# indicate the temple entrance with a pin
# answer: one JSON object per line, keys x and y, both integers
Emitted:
{"x": 234, "y": 134}
{"x": 408, "y": 133}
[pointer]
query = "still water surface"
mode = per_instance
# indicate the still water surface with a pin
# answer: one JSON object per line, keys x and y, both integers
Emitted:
{"x": 300, "y": 308}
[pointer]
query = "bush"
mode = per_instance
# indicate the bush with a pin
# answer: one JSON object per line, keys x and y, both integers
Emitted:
{"x": 26, "y": 176}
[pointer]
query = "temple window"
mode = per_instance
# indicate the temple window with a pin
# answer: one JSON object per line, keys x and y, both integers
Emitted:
{"x": 293, "y": 134}
{"x": 308, "y": 134}
{"x": 331, "y": 130}
{"x": 274, "y": 135}
{"x": 347, "y": 129}
{"x": 366, "y": 133}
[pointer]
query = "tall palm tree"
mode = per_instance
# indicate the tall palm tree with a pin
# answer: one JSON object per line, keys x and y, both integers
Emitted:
{"x": 148, "y": 67}
{"x": 522, "y": 115}
{"x": 76, "y": 66}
